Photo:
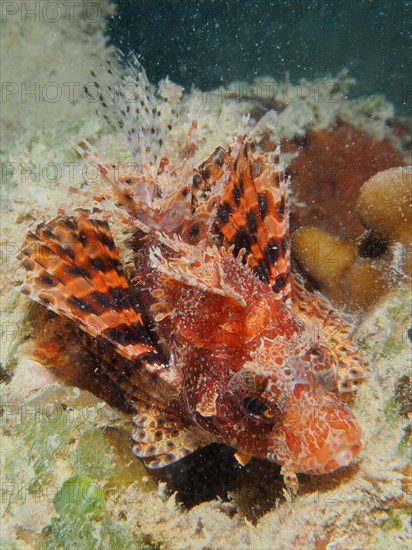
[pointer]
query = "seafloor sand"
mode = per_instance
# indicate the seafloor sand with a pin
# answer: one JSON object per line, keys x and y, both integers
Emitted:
{"x": 52, "y": 430}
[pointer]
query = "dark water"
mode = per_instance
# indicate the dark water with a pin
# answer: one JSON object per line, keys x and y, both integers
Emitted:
{"x": 209, "y": 43}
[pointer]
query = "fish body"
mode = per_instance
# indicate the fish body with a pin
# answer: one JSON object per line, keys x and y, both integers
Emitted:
{"x": 224, "y": 344}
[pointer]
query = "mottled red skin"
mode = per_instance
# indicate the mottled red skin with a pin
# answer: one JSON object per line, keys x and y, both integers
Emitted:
{"x": 215, "y": 342}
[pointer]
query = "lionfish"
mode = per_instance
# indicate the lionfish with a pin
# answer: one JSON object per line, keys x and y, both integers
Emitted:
{"x": 224, "y": 343}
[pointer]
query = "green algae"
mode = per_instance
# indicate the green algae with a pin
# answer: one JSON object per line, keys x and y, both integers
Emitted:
{"x": 127, "y": 470}
{"x": 80, "y": 501}
{"x": 29, "y": 465}
{"x": 398, "y": 311}
{"x": 391, "y": 409}
{"x": 393, "y": 521}
{"x": 115, "y": 534}
{"x": 70, "y": 531}
{"x": 81, "y": 494}
{"x": 10, "y": 545}
{"x": 16, "y": 330}
{"x": 44, "y": 436}
{"x": 404, "y": 448}
{"x": 392, "y": 346}
{"x": 73, "y": 531}
{"x": 93, "y": 455}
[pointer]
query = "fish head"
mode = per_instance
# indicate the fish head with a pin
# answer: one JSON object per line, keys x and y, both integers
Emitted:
{"x": 287, "y": 417}
{"x": 318, "y": 433}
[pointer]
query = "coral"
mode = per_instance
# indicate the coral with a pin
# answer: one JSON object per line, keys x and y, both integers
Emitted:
{"x": 356, "y": 273}
{"x": 384, "y": 205}
{"x": 297, "y": 107}
{"x": 319, "y": 104}
{"x": 371, "y": 115}
{"x": 302, "y": 105}
{"x": 322, "y": 255}
{"x": 366, "y": 281}
{"x": 335, "y": 266}
{"x": 328, "y": 173}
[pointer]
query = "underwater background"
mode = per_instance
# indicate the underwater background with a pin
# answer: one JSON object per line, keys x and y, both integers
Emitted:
{"x": 334, "y": 77}
{"x": 211, "y": 43}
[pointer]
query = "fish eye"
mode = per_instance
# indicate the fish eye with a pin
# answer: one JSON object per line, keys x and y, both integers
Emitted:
{"x": 257, "y": 409}
{"x": 253, "y": 405}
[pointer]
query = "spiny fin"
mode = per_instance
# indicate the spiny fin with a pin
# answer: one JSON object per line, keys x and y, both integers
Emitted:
{"x": 160, "y": 439}
{"x": 129, "y": 99}
{"x": 336, "y": 338}
{"x": 207, "y": 175}
{"x": 206, "y": 274}
{"x": 137, "y": 384}
{"x": 253, "y": 214}
{"x": 73, "y": 268}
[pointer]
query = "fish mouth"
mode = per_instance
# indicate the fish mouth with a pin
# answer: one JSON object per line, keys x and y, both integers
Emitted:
{"x": 346, "y": 453}
{"x": 329, "y": 458}
{"x": 343, "y": 456}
